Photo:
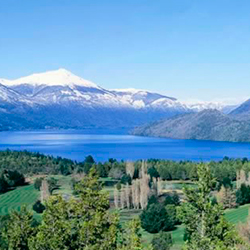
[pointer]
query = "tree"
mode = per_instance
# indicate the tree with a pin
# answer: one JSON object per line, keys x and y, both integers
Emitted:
{"x": 4, "y": 220}
{"x": 243, "y": 194}
{"x": 152, "y": 171}
{"x": 131, "y": 239}
{"x": 52, "y": 184}
{"x": 205, "y": 224}
{"x": 3, "y": 185}
{"x": 227, "y": 197}
{"x": 155, "y": 219}
{"x": 88, "y": 163}
{"x": 14, "y": 178}
{"x": 89, "y": 159}
{"x": 38, "y": 207}
{"x": 126, "y": 178}
{"x": 162, "y": 241}
{"x": 38, "y": 183}
{"x": 152, "y": 200}
{"x": 172, "y": 214}
{"x": 19, "y": 229}
{"x": 172, "y": 199}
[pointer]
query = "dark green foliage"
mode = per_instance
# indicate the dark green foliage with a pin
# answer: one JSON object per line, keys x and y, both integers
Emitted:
{"x": 243, "y": 195}
{"x": 19, "y": 229}
{"x": 4, "y": 220}
{"x": 172, "y": 214}
{"x": 13, "y": 178}
{"x": 152, "y": 200}
{"x": 172, "y": 199}
{"x": 214, "y": 200}
{"x": 38, "y": 183}
{"x": 3, "y": 185}
{"x": 126, "y": 179}
{"x": 87, "y": 164}
{"x": 162, "y": 241}
{"x": 226, "y": 182}
{"x": 34, "y": 163}
{"x": 112, "y": 160}
{"x": 101, "y": 170}
{"x": 89, "y": 159}
{"x": 155, "y": 219}
{"x": 10, "y": 179}
{"x": 152, "y": 171}
{"x": 53, "y": 184}
{"x": 38, "y": 207}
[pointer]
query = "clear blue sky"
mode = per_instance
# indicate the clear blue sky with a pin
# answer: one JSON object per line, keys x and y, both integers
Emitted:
{"x": 186, "y": 49}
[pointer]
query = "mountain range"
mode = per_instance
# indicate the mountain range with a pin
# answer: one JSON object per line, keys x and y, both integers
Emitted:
{"x": 209, "y": 124}
{"x": 60, "y": 99}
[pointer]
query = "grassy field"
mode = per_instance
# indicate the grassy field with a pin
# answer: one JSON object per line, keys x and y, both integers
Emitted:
{"x": 14, "y": 199}
{"x": 64, "y": 182}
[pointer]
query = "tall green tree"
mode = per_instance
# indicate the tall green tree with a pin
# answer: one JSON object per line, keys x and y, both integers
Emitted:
{"x": 206, "y": 227}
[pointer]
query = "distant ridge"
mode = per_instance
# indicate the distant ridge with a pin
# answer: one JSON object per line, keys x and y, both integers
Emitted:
{"x": 242, "y": 112}
{"x": 205, "y": 125}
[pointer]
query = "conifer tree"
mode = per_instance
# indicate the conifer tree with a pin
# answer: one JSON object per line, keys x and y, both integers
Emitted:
{"x": 19, "y": 229}
{"x": 206, "y": 227}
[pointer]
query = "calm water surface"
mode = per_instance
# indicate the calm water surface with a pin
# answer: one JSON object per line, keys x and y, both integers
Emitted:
{"x": 104, "y": 144}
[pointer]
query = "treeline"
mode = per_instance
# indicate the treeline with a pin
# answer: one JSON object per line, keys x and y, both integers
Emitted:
{"x": 29, "y": 163}
{"x": 10, "y": 179}
{"x": 223, "y": 170}
{"x": 34, "y": 163}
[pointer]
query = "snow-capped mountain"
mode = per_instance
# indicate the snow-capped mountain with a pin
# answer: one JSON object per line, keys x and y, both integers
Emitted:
{"x": 63, "y": 87}
{"x": 198, "y": 106}
{"x": 61, "y": 99}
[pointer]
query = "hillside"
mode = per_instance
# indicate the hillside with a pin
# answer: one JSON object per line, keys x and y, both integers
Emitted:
{"x": 242, "y": 112}
{"x": 205, "y": 125}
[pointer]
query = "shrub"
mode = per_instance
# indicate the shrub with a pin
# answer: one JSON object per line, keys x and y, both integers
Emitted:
{"x": 155, "y": 219}
{"x": 38, "y": 207}
{"x": 38, "y": 183}
{"x": 172, "y": 199}
{"x": 162, "y": 241}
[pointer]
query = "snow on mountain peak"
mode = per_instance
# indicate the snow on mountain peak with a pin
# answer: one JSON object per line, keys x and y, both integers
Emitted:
{"x": 52, "y": 78}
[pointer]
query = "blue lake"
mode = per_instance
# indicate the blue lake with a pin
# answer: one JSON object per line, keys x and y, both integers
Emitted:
{"x": 103, "y": 144}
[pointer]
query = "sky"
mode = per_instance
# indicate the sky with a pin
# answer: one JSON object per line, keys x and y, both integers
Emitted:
{"x": 191, "y": 50}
